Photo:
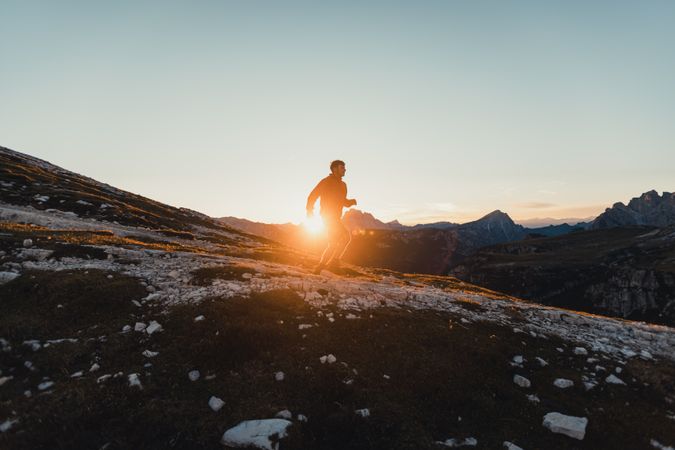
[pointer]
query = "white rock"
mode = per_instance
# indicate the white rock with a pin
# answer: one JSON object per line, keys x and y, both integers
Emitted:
{"x": 304, "y": 326}
{"x": 199, "y": 318}
{"x": 77, "y": 374}
{"x": 656, "y": 444}
{"x": 153, "y": 327}
{"x": 285, "y": 414}
{"x": 279, "y": 376}
{"x": 27, "y": 243}
{"x": 580, "y": 351}
{"x": 563, "y": 383}
{"x": 150, "y": 354}
{"x": 4, "y": 380}
{"x": 194, "y": 375}
{"x": 94, "y": 367}
{"x": 618, "y": 369}
{"x": 302, "y": 418}
{"x": 247, "y": 276}
{"x": 533, "y": 398}
{"x": 452, "y": 442}
{"x": 102, "y": 378}
{"x": 330, "y": 359}
{"x": 7, "y": 425}
{"x": 134, "y": 381}
{"x": 518, "y": 359}
{"x": 511, "y": 446}
{"x": 574, "y": 427}
{"x": 263, "y": 434}
{"x": 215, "y": 403}
{"x": 613, "y": 379}
{"x": 542, "y": 362}
{"x": 365, "y": 412}
{"x": 521, "y": 381}
{"x": 126, "y": 328}
{"x": 140, "y": 326}
{"x": 6, "y": 277}
{"x": 45, "y": 385}
{"x": 588, "y": 385}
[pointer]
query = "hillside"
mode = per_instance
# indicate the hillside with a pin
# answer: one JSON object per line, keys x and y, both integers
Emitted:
{"x": 165, "y": 332}
{"x": 625, "y": 272}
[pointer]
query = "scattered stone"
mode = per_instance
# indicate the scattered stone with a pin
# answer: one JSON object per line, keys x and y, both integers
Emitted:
{"x": 518, "y": 359}
{"x": 365, "y": 412}
{"x": 580, "y": 351}
{"x": 215, "y": 403}
{"x": 4, "y": 380}
{"x": 27, "y": 243}
{"x": 302, "y": 418}
{"x": 542, "y": 362}
{"x": 263, "y": 434}
{"x": 194, "y": 375}
{"x": 27, "y": 393}
{"x": 656, "y": 444}
{"x": 77, "y": 374}
{"x": 574, "y": 427}
{"x": 511, "y": 446}
{"x": 199, "y": 318}
{"x": 618, "y": 369}
{"x": 247, "y": 276}
{"x": 521, "y": 381}
{"x": 153, "y": 327}
{"x": 304, "y": 326}
{"x": 285, "y": 414}
{"x": 613, "y": 379}
{"x": 140, "y": 326}
{"x": 452, "y": 442}
{"x": 126, "y": 328}
{"x": 7, "y": 425}
{"x": 150, "y": 354}
{"x": 533, "y": 398}
{"x": 6, "y": 277}
{"x": 45, "y": 385}
{"x": 330, "y": 359}
{"x": 279, "y": 376}
{"x": 563, "y": 383}
{"x": 94, "y": 367}
{"x": 134, "y": 381}
{"x": 102, "y": 378}
{"x": 386, "y": 377}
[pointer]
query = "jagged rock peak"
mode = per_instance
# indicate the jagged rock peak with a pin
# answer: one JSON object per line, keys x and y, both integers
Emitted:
{"x": 649, "y": 209}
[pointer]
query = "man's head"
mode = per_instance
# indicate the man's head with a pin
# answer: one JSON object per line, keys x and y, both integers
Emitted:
{"x": 337, "y": 168}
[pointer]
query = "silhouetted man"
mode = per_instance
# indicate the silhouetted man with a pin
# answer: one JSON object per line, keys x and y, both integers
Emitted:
{"x": 333, "y": 193}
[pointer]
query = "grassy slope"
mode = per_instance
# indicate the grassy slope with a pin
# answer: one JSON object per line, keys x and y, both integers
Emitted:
{"x": 440, "y": 369}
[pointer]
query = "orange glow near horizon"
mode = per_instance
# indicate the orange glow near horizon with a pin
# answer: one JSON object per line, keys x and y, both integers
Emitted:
{"x": 313, "y": 225}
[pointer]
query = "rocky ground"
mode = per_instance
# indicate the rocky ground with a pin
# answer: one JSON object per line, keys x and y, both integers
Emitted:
{"x": 116, "y": 336}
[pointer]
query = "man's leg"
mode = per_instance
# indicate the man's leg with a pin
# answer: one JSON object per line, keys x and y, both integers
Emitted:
{"x": 345, "y": 238}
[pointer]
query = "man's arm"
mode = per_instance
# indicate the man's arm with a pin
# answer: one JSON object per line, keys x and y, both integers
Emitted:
{"x": 311, "y": 200}
{"x": 348, "y": 201}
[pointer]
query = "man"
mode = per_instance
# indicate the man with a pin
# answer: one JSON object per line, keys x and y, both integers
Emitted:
{"x": 333, "y": 193}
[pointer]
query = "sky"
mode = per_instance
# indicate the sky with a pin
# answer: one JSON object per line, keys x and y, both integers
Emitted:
{"x": 442, "y": 110}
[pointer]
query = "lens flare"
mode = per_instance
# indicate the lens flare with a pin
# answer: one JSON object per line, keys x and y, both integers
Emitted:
{"x": 313, "y": 225}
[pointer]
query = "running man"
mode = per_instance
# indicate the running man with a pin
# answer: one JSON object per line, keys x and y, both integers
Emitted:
{"x": 333, "y": 193}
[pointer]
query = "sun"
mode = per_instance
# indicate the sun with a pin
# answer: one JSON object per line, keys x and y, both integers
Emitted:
{"x": 314, "y": 225}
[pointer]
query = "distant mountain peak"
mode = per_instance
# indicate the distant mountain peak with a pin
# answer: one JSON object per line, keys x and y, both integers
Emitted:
{"x": 649, "y": 209}
{"x": 496, "y": 216}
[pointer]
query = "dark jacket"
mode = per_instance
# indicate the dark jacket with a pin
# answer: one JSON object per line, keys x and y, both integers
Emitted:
{"x": 333, "y": 193}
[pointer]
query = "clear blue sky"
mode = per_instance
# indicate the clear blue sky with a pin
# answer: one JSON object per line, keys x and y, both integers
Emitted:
{"x": 442, "y": 110}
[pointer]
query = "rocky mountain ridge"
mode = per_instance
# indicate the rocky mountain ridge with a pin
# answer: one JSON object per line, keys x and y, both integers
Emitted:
{"x": 650, "y": 209}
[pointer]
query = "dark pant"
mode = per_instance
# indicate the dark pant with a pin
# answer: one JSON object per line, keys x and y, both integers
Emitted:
{"x": 339, "y": 238}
